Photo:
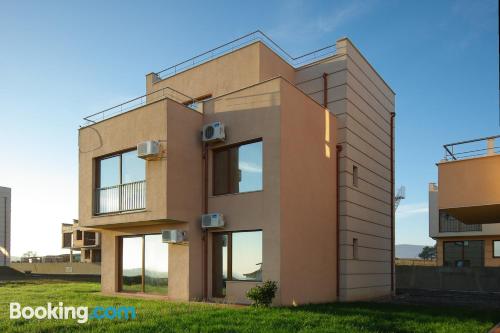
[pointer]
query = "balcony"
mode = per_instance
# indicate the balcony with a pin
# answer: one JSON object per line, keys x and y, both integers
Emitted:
{"x": 120, "y": 198}
{"x": 469, "y": 186}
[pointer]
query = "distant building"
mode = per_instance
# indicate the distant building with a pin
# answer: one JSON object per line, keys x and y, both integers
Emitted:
{"x": 464, "y": 211}
{"x": 5, "y": 196}
{"x": 87, "y": 242}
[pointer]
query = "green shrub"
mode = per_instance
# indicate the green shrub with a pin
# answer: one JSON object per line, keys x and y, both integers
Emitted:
{"x": 263, "y": 295}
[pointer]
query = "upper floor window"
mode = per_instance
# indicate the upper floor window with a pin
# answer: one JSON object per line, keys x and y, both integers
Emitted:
{"x": 238, "y": 168}
{"x": 120, "y": 183}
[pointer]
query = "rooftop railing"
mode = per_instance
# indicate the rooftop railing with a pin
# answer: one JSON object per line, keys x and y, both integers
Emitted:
{"x": 137, "y": 102}
{"x": 471, "y": 148}
{"x": 244, "y": 41}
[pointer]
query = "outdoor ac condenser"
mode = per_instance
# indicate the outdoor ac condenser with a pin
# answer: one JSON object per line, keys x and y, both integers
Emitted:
{"x": 174, "y": 236}
{"x": 213, "y": 132}
{"x": 214, "y": 220}
{"x": 148, "y": 150}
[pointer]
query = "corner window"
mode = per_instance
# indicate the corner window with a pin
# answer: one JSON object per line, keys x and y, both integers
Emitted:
{"x": 237, "y": 256}
{"x": 496, "y": 248}
{"x": 120, "y": 183}
{"x": 237, "y": 168}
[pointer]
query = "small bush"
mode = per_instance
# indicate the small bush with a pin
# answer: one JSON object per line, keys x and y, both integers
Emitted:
{"x": 263, "y": 295}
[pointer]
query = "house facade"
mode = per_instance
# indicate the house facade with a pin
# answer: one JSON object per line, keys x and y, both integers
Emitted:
{"x": 5, "y": 197}
{"x": 83, "y": 240}
{"x": 464, "y": 207}
{"x": 303, "y": 178}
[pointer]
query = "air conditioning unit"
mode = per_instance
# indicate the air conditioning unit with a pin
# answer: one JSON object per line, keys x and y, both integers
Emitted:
{"x": 148, "y": 150}
{"x": 213, "y": 132}
{"x": 173, "y": 236}
{"x": 214, "y": 220}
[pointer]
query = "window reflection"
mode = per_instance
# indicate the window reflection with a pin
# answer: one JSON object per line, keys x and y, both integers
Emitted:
{"x": 238, "y": 168}
{"x": 109, "y": 171}
{"x": 132, "y": 264}
{"x": 247, "y": 256}
{"x": 156, "y": 265}
{"x": 133, "y": 167}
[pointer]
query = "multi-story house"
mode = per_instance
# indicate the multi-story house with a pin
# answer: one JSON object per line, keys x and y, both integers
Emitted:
{"x": 83, "y": 240}
{"x": 292, "y": 157}
{"x": 5, "y": 196}
{"x": 464, "y": 212}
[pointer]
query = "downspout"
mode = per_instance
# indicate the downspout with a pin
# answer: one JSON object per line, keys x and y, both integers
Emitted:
{"x": 393, "y": 114}
{"x": 337, "y": 210}
{"x": 204, "y": 236}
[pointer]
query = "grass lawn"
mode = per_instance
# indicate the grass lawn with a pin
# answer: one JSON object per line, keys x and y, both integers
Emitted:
{"x": 154, "y": 316}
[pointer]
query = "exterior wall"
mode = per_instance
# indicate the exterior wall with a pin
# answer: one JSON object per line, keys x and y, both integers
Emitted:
{"x": 476, "y": 197}
{"x": 5, "y": 197}
{"x": 249, "y": 114}
{"x": 308, "y": 200}
{"x": 219, "y": 76}
{"x": 66, "y": 268}
{"x": 489, "y": 260}
{"x": 362, "y": 103}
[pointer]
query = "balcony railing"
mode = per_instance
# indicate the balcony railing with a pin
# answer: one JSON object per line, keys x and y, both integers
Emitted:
{"x": 120, "y": 198}
{"x": 471, "y": 148}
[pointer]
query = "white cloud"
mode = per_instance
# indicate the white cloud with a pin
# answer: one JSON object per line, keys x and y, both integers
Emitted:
{"x": 250, "y": 167}
{"x": 410, "y": 210}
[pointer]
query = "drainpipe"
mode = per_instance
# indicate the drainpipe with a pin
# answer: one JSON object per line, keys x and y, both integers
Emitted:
{"x": 393, "y": 114}
{"x": 325, "y": 90}
{"x": 204, "y": 236}
{"x": 337, "y": 210}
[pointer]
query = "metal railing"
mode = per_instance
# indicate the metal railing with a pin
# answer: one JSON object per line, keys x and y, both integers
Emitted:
{"x": 141, "y": 101}
{"x": 120, "y": 198}
{"x": 471, "y": 148}
{"x": 240, "y": 42}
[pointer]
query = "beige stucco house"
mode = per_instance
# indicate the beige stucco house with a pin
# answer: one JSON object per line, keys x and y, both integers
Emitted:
{"x": 83, "y": 240}
{"x": 303, "y": 178}
{"x": 464, "y": 211}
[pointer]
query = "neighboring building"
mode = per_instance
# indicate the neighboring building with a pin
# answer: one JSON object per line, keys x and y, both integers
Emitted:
{"x": 304, "y": 178}
{"x": 5, "y": 196}
{"x": 77, "y": 238}
{"x": 464, "y": 212}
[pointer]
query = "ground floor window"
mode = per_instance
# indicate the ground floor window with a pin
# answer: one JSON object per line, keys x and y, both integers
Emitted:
{"x": 237, "y": 256}
{"x": 144, "y": 264}
{"x": 464, "y": 253}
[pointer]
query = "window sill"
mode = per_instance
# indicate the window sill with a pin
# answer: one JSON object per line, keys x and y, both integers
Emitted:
{"x": 231, "y": 194}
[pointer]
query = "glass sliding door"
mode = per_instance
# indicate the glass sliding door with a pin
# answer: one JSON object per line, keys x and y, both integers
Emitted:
{"x": 132, "y": 264}
{"x": 144, "y": 264}
{"x": 219, "y": 264}
{"x": 156, "y": 265}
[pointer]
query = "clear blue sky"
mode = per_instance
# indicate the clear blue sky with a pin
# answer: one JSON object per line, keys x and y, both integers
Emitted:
{"x": 62, "y": 60}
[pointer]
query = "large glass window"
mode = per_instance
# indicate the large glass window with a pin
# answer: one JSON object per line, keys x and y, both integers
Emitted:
{"x": 238, "y": 168}
{"x": 144, "y": 264}
{"x": 464, "y": 253}
{"x": 120, "y": 183}
{"x": 237, "y": 256}
{"x": 496, "y": 248}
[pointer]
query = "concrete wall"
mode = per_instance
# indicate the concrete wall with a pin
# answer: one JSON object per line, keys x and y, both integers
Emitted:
{"x": 5, "y": 203}
{"x": 448, "y": 278}
{"x": 362, "y": 103}
{"x": 65, "y": 268}
{"x": 489, "y": 260}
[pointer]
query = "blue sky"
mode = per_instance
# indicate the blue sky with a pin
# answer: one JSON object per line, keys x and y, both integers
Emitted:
{"x": 61, "y": 60}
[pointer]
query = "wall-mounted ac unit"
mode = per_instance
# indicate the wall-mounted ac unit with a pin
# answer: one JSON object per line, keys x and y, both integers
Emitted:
{"x": 148, "y": 150}
{"x": 214, "y": 220}
{"x": 213, "y": 132}
{"x": 173, "y": 236}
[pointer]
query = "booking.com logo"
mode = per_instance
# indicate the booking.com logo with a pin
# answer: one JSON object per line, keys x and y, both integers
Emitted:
{"x": 80, "y": 313}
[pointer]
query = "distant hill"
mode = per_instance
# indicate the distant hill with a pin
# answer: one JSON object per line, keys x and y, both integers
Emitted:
{"x": 408, "y": 250}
